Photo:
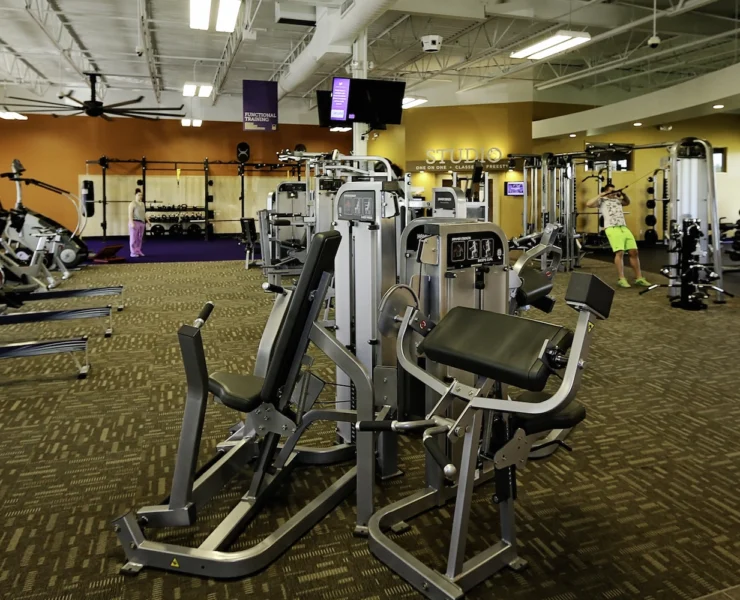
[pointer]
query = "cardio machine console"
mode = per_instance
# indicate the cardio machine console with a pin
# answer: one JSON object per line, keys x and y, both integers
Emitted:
{"x": 357, "y": 205}
{"x": 474, "y": 248}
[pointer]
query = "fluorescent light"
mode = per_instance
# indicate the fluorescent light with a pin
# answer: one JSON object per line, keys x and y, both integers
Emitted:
{"x": 189, "y": 89}
{"x": 200, "y": 14}
{"x": 553, "y": 40}
{"x": 638, "y": 124}
{"x": 718, "y": 106}
{"x": 197, "y": 122}
{"x": 228, "y": 12}
{"x": 185, "y": 122}
{"x": 205, "y": 91}
{"x": 562, "y": 47}
{"x": 572, "y": 135}
{"x": 13, "y": 116}
{"x": 411, "y": 102}
{"x": 340, "y": 129}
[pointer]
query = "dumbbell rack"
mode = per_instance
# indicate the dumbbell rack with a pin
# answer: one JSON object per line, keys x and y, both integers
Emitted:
{"x": 182, "y": 220}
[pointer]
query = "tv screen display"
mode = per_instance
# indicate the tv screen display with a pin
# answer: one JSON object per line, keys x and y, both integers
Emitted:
{"x": 368, "y": 101}
{"x": 513, "y": 188}
{"x": 340, "y": 94}
{"x": 323, "y": 104}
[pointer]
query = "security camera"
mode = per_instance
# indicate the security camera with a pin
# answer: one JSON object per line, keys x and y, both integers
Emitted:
{"x": 431, "y": 43}
{"x": 139, "y": 51}
{"x": 654, "y": 41}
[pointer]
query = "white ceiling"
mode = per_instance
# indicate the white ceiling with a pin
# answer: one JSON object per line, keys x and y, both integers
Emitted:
{"x": 472, "y": 67}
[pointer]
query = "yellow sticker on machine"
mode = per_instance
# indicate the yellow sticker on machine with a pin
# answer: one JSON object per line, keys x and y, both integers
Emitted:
{"x": 175, "y": 564}
{"x": 590, "y": 327}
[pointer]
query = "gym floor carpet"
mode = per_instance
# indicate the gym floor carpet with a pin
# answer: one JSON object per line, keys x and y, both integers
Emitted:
{"x": 646, "y": 506}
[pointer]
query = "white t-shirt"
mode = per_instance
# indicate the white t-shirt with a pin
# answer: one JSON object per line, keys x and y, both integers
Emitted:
{"x": 137, "y": 211}
{"x": 611, "y": 210}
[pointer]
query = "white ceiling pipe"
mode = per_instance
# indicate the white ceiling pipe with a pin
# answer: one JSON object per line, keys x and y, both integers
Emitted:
{"x": 334, "y": 34}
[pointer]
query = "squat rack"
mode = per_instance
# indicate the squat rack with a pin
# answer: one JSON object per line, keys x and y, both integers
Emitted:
{"x": 204, "y": 166}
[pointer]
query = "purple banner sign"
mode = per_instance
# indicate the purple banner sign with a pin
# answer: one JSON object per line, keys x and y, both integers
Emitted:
{"x": 260, "y": 105}
{"x": 339, "y": 99}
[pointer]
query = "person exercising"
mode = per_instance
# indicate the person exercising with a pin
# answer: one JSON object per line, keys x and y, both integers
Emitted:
{"x": 611, "y": 203}
{"x": 137, "y": 220}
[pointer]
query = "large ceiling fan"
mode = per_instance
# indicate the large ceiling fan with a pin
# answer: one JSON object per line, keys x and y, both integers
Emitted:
{"x": 93, "y": 107}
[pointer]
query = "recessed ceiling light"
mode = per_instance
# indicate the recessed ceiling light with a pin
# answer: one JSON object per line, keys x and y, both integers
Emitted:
{"x": 197, "y": 122}
{"x": 185, "y": 122}
{"x": 200, "y": 14}
{"x": 228, "y": 13}
{"x": 205, "y": 91}
{"x": 189, "y": 89}
{"x": 556, "y": 43}
{"x": 638, "y": 124}
{"x": 718, "y": 106}
{"x": 411, "y": 102}
{"x": 572, "y": 135}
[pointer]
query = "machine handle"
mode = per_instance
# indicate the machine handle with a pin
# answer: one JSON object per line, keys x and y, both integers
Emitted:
{"x": 440, "y": 457}
{"x": 271, "y": 288}
{"x": 374, "y": 425}
{"x": 205, "y": 312}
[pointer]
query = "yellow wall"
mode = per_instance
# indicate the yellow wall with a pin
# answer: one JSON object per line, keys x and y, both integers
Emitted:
{"x": 723, "y": 131}
{"x": 390, "y": 144}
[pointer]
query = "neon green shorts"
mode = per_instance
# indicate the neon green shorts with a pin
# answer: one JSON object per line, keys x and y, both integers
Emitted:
{"x": 620, "y": 239}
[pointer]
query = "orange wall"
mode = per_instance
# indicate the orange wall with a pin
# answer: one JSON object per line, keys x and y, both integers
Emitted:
{"x": 55, "y": 150}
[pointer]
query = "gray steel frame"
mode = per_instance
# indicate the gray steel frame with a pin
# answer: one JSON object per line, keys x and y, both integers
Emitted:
{"x": 462, "y": 575}
{"x": 272, "y": 465}
{"x": 45, "y": 347}
{"x": 61, "y": 315}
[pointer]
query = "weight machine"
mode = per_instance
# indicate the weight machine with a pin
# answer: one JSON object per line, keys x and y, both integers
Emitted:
{"x": 202, "y": 217}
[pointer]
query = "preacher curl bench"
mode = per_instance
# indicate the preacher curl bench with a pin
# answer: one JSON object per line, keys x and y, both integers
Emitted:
{"x": 496, "y": 432}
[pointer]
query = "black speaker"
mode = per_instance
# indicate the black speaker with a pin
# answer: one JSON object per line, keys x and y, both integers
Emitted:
{"x": 242, "y": 152}
{"x": 88, "y": 197}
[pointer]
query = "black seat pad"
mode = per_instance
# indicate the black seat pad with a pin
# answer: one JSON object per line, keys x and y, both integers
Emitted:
{"x": 240, "y": 392}
{"x": 535, "y": 286}
{"x": 501, "y": 347}
{"x": 566, "y": 418}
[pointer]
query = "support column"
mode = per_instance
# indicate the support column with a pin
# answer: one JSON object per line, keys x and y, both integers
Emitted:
{"x": 359, "y": 71}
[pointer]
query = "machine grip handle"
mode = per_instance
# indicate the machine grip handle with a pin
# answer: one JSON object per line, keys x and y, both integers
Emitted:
{"x": 440, "y": 457}
{"x": 374, "y": 426}
{"x": 205, "y": 312}
{"x": 271, "y": 288}
{"x": 281, "y": 222}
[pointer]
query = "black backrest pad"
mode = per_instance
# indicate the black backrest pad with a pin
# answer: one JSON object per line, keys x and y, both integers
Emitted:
{"x": 320, "y": 260}
{"x": 535, "y": 286}
{"x": 589, "y": 290}
{"x": 498, "y": 346}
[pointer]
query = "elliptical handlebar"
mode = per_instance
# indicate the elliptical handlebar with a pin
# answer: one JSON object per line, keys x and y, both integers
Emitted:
{"x": 205, "y": 312}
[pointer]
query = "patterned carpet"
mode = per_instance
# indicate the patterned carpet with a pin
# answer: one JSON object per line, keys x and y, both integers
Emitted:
{"x": 646, "y": 507}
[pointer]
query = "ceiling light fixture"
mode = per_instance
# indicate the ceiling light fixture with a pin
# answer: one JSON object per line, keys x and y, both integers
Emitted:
{"x": 340, "y": 129}
{"x": 638, "y": 124}
{"x": 197, "y": 122}
{"x": 228, "y": 13}
{"x": 13, "y": 116}
{"x": 572, "y": 135}
{"x": 556, "y": 43}
{"x": 718, "y": 106}
{"x": 205, "y": 91}
{"x": 189, "y": 89}
{"x": 200, "y": 14}
{"x": 186, "y": 122}
{"x": 411, "y": 102}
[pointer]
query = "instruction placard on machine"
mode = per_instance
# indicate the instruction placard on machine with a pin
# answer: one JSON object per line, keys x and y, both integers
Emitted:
{"x": 357, "y": 206}
{"x": 479, "y": 248}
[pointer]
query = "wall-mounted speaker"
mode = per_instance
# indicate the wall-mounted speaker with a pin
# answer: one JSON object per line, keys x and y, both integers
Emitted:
{"x": 242, "y": 152}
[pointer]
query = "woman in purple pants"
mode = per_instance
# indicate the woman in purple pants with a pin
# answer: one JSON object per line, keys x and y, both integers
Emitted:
{"x": 137, "y": 221}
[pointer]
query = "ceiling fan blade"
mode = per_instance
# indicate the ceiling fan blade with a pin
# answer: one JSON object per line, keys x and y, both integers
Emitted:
{"x": 106, "y": 117}
{"x": 157, "y": 108}
{"x": 119, "y": 111}
{"x": 73, "y": 99}
{"x": 77, "y": 112}
{"x": 36, "y": 103}
{"x": 117, "y": 104}
{"x": 136, "y": 116}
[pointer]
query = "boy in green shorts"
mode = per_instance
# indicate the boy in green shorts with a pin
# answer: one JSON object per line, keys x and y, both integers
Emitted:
{"x": 610, "y": 202}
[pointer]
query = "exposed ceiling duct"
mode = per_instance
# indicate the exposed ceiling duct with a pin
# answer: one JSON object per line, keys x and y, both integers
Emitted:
{"x": 336, "y": 30}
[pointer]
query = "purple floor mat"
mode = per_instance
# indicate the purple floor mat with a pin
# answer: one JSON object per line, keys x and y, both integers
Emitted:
{"x": 169, "y": 250}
